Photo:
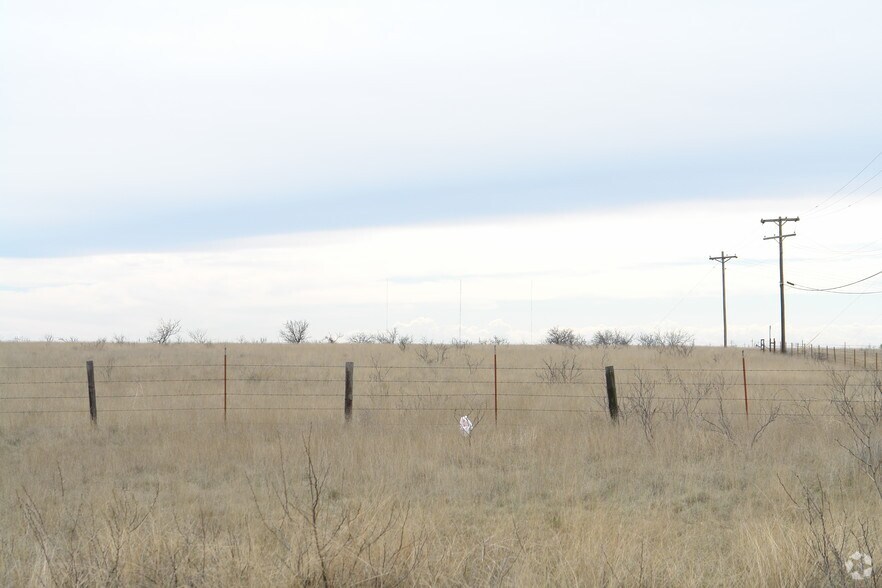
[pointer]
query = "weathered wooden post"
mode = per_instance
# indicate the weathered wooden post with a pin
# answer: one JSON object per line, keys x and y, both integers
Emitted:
{"x": 611, "y": 393}
{"x": 495, "y": 390}
{"x": 90, "y": 376}
{"x": 347, "y": 399}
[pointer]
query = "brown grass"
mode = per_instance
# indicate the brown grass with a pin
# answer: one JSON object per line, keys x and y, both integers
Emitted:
{"x": 553, "y": 494}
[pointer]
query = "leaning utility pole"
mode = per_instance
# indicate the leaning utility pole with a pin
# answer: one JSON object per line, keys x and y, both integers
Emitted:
{"x": 723, "y": 258}
{"x": 780, "y": 237}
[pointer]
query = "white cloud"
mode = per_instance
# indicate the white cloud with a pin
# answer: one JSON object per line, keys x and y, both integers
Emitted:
{"x": 636, "y": 268}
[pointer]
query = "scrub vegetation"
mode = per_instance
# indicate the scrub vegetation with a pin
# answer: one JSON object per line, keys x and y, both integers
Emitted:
{"x": 686, "y": 490}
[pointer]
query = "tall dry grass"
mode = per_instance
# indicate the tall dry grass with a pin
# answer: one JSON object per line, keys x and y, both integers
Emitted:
{"x": 682, "y": 492}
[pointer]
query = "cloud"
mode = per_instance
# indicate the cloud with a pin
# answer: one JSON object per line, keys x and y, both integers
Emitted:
{"x": 637, "y": 267}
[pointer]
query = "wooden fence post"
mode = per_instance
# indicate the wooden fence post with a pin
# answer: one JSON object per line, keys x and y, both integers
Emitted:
{"x": 347, "y": 399}
{"x": 90, "y": 376}
{"x": 495, "y": 390}
{"x": 611, "y": 393}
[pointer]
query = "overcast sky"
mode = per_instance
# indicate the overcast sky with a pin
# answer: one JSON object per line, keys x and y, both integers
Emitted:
{"x": 572, "y": 163}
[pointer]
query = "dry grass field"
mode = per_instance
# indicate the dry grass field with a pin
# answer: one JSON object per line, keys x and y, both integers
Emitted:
{"x": 685, "y": 490}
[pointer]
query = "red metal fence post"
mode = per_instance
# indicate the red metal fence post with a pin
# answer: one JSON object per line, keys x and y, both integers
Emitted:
{"x": 225, "y": 385}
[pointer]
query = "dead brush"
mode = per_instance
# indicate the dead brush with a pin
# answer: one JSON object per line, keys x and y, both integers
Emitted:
{"x": 322, "y": 539}
{"x": 563, "y": 371}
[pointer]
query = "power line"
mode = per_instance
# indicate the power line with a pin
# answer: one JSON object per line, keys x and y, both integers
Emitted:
{"x": 810, "y": 289}
{"x": 845, "y": 185}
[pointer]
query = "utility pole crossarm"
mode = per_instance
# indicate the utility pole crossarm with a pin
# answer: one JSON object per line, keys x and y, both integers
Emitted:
{"x": 779, "y": 237}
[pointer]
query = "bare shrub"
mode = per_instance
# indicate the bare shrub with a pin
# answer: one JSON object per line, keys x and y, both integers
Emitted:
{"x": 165, "y": 331}
{"x": 320, "y": 540}
{"x": 332, "y": 338}
{"x": 393, "y": 337}
{"x": 362, "y": 338}
{"x": 674, "y": 341}
{"x": 695, "y": 388}
{"x": 199, "y": 336}
{"x": 562, "y": 336}
{"x": 387, "y": 337}
{"x": 858, "y": 402}
{"x": 494, "y": 340}
{"x": 720, "y": 423}
{"x": 474, "y": 364}
{"x": 431, "y": 353}
{"x": 831, "y": 535}
{"x": 294, "y": 332}
{"x": 643, "y": 404}
{"x": 611, "y": 338}
{"x": 563, "y": 371}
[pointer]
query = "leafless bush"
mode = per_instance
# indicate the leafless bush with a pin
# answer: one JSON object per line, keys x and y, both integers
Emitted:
{"x": 693, "y": 390}
{"x": 611, "y": 338}
{"x": 858, "y": 402}
{"x": 387, "y": 337}
{"x": 81, "y": 546}
{"x": 460, "y": 344}
{"x": 379, "y": 372}
{"x": 720, "y": 423}
{"x": 165, "y": 331}
{"x": 643, "y": 404}
{"x": 431, "y": 353}
{"x": 294, "y": 332}
{"x": 673, "y": 341}
{"x": 119, "y": 339}
{"x": 494, "y": 340}
{"x": 562, "y": 336}
{"x": 563, "y": 371}
{"x": 332, "y": 337}
{"x": 832, "y": 535}
{"x": 198, "y": 336}
{"x": 473, "y": 363}
{"x": 351, "y": 542}
{"x": 362, "y": 338}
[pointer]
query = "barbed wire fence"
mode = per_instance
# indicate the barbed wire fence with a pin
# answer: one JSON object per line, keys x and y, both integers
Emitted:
{"x": 511, "y": 394}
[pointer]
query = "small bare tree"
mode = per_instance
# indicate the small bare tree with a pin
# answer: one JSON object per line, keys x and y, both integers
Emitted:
{"x": 611, "y": 338}
{"x": 565, "y": 371}
{"x": 561, "y": 336}
{"x": 198, "y": 336}
{"x": 388, "y": 337}
{"x": 294, "y": 331}
{"x": 165, "y": 331}
{"x": 362, "y": 337}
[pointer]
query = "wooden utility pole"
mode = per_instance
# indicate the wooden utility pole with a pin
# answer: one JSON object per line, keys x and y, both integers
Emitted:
{"x": 780, "y": 238}
{"x": 723, "y": 258}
